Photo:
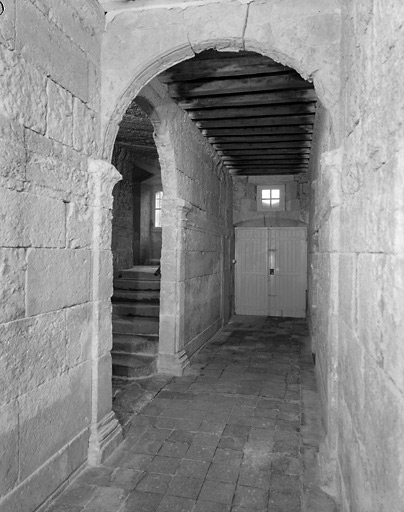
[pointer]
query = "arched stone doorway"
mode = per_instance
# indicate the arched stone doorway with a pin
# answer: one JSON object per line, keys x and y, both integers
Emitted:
{"x": 307, "y": 40}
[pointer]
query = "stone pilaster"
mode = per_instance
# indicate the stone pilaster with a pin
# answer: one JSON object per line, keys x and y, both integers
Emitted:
{"x": 106, "y": 432}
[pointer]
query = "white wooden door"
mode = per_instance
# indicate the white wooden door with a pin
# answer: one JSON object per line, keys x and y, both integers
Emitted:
{"x": 271, "y": 271}
{"x": 251, "y": 271}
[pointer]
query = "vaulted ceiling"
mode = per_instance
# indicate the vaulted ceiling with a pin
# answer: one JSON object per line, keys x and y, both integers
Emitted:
{"x": 257, "y": 114}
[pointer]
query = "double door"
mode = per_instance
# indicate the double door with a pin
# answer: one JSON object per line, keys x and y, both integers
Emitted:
{"x": 271, "y": 271}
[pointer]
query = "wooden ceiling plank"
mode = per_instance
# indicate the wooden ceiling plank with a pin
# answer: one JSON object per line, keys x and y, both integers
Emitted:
{"x": 250, "y": 99}
{"x": 242, "y": 111}
{"x": 186, "y": 90}
{"x": 257, "y": 121}
{"x": 218, "y": 68}
{"x": 258, "y": 130}
{"x": 235, "y": 153}
{"x": 293, "y": 138}
{"x": 302, "y": 144}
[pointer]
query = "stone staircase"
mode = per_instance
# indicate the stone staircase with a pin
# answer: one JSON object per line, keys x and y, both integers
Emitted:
{"x": 135, "y": 322}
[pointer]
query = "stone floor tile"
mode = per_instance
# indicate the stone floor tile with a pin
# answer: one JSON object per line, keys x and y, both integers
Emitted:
{"x": 232, "y": 443}
{"x": 138, "y": 461}
{"x": 219, "y": 492}
{"x": 193, "y": 468}
{"x": 285, "y": 484}
{"x": 197, "y": 452}
{"x": 175, "y": 504}
{"x": 212, "y": 428}
{"x": 147, "y": 446}
{"x": 223, "y": 473}
{"x": 226, "y": 456}
{"x": 206, "y": 439}
{"x": 154, "y": 482}
{"x": 142, "y": 502}
{"x": 96, "y": 476}
{"x": 125, "y": 478}
{"x": 172, "y": 449}
{"x": 165, "y": 465}
{"x": 77, "y": 494}
{"x": 279, "y": 502}
{"x": 107, "y": 499}
{"x": 184, "y": 486}
{"x": 181, "y": 436}
{"x": 236, "y": 431}
{"x": 210, "y": 506}
{"x": 254, "y": 477}
{"x": 64, "y": 508}
{"x": 250, "y": 498}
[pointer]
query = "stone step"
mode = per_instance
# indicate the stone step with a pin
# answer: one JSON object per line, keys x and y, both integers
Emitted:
{"x": 136, "y": 284}
{"x": 136, "y": 325}
{"x": 147, "y": 345}
{"x": 133, "y": 366}
{"x": 136, "y": 309}
{"x": 152, "y": 296}
{"x": 140, "y": 274}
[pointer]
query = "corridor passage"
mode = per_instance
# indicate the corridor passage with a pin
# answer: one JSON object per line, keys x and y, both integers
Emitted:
{"x": 238, "y": 433}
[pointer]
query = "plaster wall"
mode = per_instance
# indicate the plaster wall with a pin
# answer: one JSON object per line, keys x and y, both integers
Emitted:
{"x": 54, "y": 278}
{"x": 296, "y": 211}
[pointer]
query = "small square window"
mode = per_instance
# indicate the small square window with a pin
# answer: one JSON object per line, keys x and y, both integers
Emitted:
{"x": 271, "y": 198}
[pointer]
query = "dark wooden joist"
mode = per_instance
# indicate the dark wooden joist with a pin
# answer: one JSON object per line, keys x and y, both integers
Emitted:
{"x": 285, "y": 138}
{"x": 220, "y": 68}
{"x": 263, "y": 163}
{"x": 235, "y": 153}
{"x": 248, "y": 131}
{"x": 249, "y": 99}
{"x": 263, "y": 144}
{"x": 260, "y": 172}
{"x": 257, "y": 122}
{"x": 185, "y": 90}
{"x": 261, "y": 111}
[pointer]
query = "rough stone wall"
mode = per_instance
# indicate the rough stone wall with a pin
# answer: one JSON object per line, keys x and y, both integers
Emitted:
{"x": 357, "y": 265}
{"x": 197, "y": 227}
{"x": 123, "y": 210}
{"x": 371, "y": 277}
{"x": 245, "y": 201}
{"x": 49, "y": 123}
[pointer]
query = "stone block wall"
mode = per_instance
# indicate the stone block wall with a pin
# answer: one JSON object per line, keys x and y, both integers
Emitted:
{"x": 123, "y": 210}
{"x": 197, "y": 228}
{"x": 357, "y": 265}
{"x": 49, "y": 124}
{"x": 296, "y": 201}
{"x": 371, "y": 261}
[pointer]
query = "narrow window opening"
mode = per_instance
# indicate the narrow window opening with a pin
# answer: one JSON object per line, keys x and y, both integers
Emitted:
{"x": 158, "y": 198}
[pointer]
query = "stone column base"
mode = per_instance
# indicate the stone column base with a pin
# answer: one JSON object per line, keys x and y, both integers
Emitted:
{"x": 173, "y": 364}
{"x": 106, "y": 436}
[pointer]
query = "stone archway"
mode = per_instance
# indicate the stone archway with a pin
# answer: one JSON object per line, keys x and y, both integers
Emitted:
{"x": 140, "y": 44}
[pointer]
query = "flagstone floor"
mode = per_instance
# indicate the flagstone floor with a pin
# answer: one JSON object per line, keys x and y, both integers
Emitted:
{"x": 238, "y": 433}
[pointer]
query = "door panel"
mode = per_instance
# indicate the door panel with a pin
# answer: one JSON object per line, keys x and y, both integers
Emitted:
{"x": 287, "y": 287}
{"x": 258, "y": 290}
{"x": 251, "y": 272}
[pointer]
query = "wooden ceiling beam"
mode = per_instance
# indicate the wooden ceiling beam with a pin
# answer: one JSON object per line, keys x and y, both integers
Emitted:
{"x": 242, "y": 111}
{"x": 293, "y": 138}
{"x": 186, "y": 90}
{"x": 263, "y": 172}
{"x": 219, "y": 68}
{"x": 262, "y": 144}
{"x": 249, "y": 99}
{"x": 247, "y": 131}
{"x": 236, "y": 153}
{"x": 255, "y": 122}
